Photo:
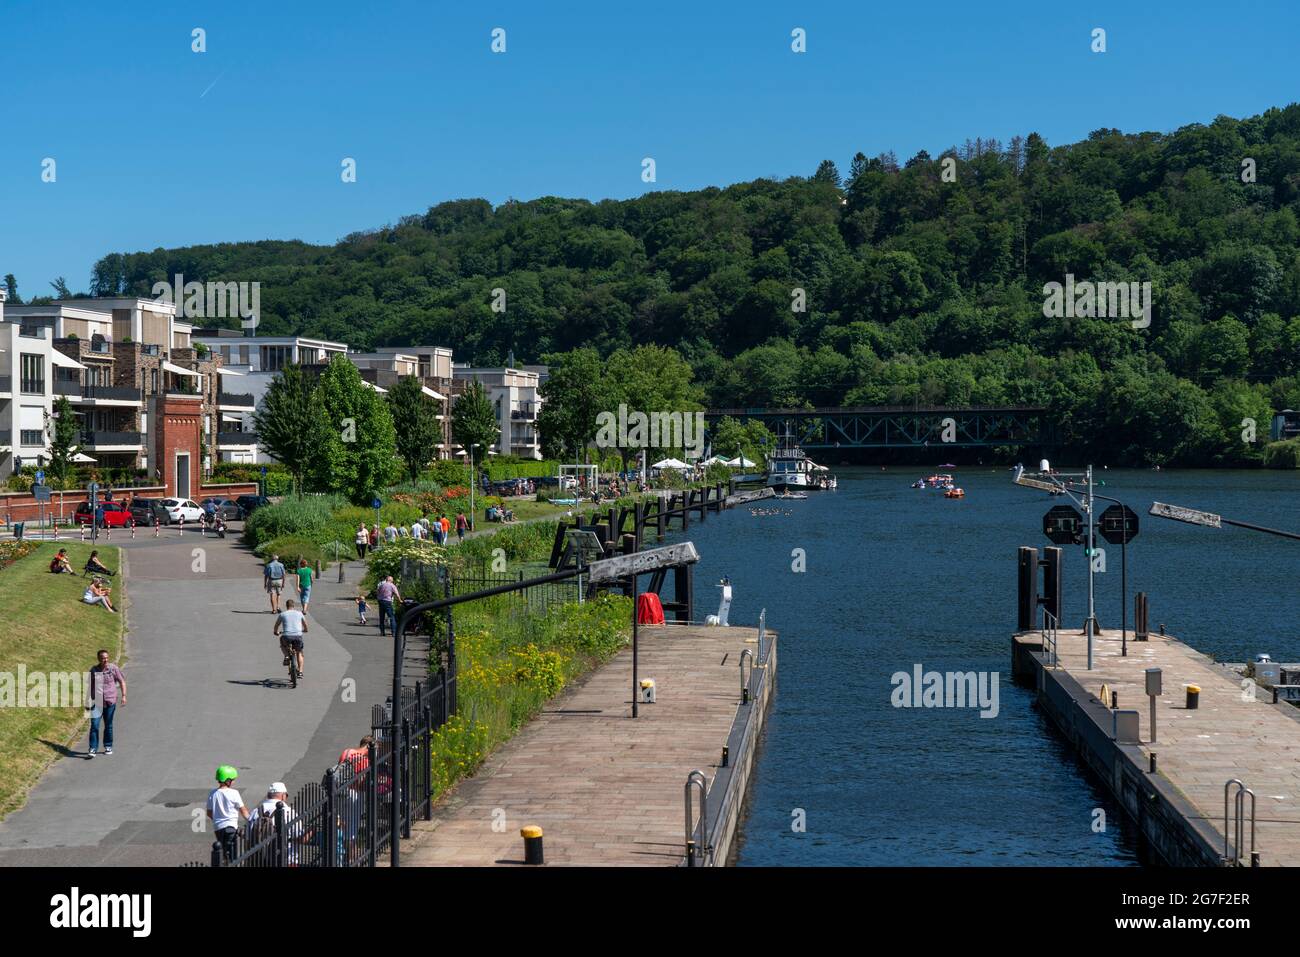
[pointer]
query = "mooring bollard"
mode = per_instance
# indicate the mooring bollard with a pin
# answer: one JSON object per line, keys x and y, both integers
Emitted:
{"x": 1153, "y": 762}
{"x": 726, "y": 753}
{"x": 532, "y": 835}
{"x": 1193, "y": 697}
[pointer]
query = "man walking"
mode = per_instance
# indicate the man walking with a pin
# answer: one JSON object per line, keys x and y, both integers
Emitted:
{"x": 273, "y": 579}
{"x": 261, "y": 822}
{"x": 390, "y": 533}
{"x": 387, "y": 593}
{"x": 304, "y": 573}
{"x": 102, "y": 700}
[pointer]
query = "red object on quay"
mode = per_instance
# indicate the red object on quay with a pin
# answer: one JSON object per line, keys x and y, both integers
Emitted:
{"x": 648, "y": 609}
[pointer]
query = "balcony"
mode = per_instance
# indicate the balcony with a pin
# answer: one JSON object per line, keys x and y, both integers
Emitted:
{"x": 67, "y": 387}
{"x": 525, "y": 413}
{"x": 105, "y": 440}
{"x": 239, "y": 400}
{"x": 241, "y": 439}
{"x": 6, "y": 383}
{"x": 117, "y": 393}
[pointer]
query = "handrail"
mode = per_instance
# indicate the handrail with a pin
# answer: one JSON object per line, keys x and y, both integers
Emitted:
{"x": 762, "y": 632}
{"x": 1239, "y": 828}
{"x": 1049, "y": 635}
{"x": 697, "y": 778}
{"x": 744, "y": 685}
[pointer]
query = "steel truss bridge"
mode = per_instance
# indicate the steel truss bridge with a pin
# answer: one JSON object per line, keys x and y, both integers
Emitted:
{"x": 890, "y": 426}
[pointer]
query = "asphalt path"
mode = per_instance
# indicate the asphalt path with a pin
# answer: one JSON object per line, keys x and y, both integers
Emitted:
{"x": 206, "y": 687}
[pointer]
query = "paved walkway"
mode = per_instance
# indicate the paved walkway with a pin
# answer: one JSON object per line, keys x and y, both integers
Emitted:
{"x": 1198, "y": 750}
{"x": 606, "y": 789}
{"x": 206, "y": 688}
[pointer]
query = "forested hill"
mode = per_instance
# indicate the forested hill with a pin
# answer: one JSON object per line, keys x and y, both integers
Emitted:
{"x": 916, "y": 288}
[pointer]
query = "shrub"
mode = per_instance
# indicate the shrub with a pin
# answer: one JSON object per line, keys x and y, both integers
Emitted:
{"x": 1282, "y": 455}
{"x": 387, "y": 559}
{"x": 311, "y": 518}
{"x": 498, "y": 470}
{"x": 290, "y": 548}
{"x": 446, "y": 472}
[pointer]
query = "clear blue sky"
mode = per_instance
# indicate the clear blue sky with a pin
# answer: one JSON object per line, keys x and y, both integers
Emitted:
{"x": 159, "y": 146}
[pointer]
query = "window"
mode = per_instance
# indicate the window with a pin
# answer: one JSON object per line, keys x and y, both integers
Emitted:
{"x": 33, "y": 437}
{"x": 153, "y": 381}
{"x": 33, "y": 374}
{"x": 243, "y": 355}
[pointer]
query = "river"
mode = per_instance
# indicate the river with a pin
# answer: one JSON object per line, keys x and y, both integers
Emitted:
{"x": 897, "y": 577}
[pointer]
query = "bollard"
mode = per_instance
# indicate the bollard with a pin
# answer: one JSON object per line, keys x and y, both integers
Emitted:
{"x": 1275, "y": 694}
{"x": 341, "y": 563}
{"x": 1153, "y": 762}
{"x": 532, "y": 835}
{"x": 1254, "y": 858}
{"x": 1193, "y": 697}
{"x": 726, "y": 752}
{"x": 1162, "y": 628}
{"x": 1114, "y": 699}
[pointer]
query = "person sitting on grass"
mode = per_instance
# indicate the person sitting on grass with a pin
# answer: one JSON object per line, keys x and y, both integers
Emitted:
{"x": 95, "y": 566}
{"x": 97, "y": 593}
{"x": 60, "y": 564}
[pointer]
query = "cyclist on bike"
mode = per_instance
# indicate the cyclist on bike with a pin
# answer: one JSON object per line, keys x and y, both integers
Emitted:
{"x": 225, "y": 808}
{"x": 290, "y": 626}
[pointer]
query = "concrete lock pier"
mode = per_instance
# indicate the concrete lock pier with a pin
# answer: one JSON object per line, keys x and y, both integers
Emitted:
{"x": 608, "y": 789}
{"x": 1234, "y": 737}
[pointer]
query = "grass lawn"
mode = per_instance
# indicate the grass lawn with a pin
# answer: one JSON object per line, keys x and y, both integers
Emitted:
{"x": 47, "y": 629}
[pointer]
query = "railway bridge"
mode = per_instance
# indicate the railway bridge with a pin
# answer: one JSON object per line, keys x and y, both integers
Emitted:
{"x": 899, "y": 427}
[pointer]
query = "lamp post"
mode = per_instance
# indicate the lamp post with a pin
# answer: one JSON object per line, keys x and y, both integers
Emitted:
{"x": 1049, "y": 481}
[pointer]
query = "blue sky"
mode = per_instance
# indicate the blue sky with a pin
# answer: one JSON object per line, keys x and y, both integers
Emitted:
{"x": 156, "y": 145}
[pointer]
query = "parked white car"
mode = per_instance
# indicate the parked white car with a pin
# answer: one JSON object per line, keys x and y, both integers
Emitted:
{"x": 178, "y": 508}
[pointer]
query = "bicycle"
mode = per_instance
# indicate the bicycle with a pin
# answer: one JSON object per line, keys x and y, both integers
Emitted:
{"x": 294, "y": 646}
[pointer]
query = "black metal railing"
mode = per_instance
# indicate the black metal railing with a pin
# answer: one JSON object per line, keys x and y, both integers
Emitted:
{"x": 236, "y": 438}
{"x": 345, "y": 819}
{"x": 536, "y": 598}
{"x": 67, "y": 387}
{"x": 92, "y": 439}
{"x": 240, "y": 399}
{"x": 123, "y": 392}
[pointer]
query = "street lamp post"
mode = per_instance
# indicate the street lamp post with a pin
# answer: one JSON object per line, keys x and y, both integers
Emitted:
{"x": 472, "y": 479}
{"x": 1051, "y": 483}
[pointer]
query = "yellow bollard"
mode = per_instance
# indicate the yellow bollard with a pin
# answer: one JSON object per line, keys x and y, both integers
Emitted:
{"x": 532, "y": 835}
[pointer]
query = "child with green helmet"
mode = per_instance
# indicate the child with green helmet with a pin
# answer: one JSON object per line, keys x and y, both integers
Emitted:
{"x": 225, "y": 809}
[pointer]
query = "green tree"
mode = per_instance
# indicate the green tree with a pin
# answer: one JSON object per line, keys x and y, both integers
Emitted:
{"x": 291, "y": 425}
{"x": 360, "y": 451}
{"x": 11, "y": 290}
{"x": 63, "y": 440}
{"x": 474, "y": 421}
{"x": 575, "y": 392}
{"x": 415, "y": 422}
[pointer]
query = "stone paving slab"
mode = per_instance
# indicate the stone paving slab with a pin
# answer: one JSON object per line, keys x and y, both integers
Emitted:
{"x": 605, "y": 788}
{"x": 1198, "y": 750}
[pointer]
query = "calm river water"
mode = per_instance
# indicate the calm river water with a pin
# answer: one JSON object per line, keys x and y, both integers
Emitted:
{"x": 897, "y": 577}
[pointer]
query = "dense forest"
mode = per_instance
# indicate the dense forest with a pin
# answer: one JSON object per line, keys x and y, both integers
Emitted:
{"x": 922, "y": 281}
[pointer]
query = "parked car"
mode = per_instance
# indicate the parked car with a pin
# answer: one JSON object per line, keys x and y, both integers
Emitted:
{"x": 249, "y": 503}
{"x": 181, "y": 508}
{"x": 116, "y": 515}
{"x": 147, "y": 511}
{"x": 226, "y": 508}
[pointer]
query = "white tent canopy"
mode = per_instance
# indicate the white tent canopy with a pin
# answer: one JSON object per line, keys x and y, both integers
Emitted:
{"x": 371, "y": 385}
{"x": 224, "y": 371}
{"x": 431, "y": 394}
{"x": 740, "y": 462}
{"x": 670, "y": 464}
{"x": 715, "y": 460}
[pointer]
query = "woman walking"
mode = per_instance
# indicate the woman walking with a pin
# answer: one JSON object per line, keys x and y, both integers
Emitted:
{"x": 362, "y": 540}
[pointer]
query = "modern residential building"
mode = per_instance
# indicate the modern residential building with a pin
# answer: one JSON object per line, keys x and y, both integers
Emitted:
{"x": 248, "y": 364}
{"x": 514, "y": 394}
{"x": 383, "y": 367}
{"x": 145, "y": 399}
{"x": 27, "y": 368}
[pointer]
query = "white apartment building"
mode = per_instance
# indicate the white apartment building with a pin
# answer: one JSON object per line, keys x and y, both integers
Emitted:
{"x": 249, "y": 363}
{"x": 514, "y": 394}
{"x": 27, "y": 367}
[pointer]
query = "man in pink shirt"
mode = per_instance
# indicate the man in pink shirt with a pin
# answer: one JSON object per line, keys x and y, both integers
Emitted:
{"x": 102, "y": 700}
{"x": 387, "y": 593}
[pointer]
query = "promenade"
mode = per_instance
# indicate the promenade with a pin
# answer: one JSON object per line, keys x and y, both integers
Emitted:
{"x": 206, "y": 688}
{"x": 605, "y": 788}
